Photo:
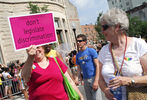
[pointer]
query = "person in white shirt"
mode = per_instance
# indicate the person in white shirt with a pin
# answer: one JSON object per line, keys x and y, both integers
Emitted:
{"x": 8, "y": 83}
{"x": 123, "y": 60}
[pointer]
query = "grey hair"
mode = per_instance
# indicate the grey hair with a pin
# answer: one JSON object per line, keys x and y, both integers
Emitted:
{"x": 116, "y": 16}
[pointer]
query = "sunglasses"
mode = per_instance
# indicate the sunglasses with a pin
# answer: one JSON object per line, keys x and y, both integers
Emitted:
{"x": 80, "y": 41}
{"x": 105, "y": 27}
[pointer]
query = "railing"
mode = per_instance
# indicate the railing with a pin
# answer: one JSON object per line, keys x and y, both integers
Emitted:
{"x": 9, "y": 88}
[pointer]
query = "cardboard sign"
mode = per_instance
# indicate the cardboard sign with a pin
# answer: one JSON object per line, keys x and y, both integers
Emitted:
{"x": 37, "y": 29}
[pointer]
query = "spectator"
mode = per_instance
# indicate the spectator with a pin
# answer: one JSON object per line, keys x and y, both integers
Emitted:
{"x": 52, "y": 53}
{"x": 1, "y": 81}
{"x": 74, "y": 68}
{"x": 87, "y": 61}
{"x": 22, "y": 84}
{"x": 1, "y": 89}
{"x": 8, "y": 83}
{"x": 70, "y": 60}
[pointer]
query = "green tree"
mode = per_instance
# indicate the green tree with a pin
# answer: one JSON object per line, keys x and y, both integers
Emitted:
{"x": 144, "y": 29}
{"x": 100, "y": 36}
{"x": 137, "y": 27}
{"x": 134, "y": 26}
{"x": 36, "y": 9}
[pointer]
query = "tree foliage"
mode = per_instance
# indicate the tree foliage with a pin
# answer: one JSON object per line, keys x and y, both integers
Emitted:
{"x": 137, "y": 27}
{"x": 134, "y": 26}
{"x": 36, "y": 9}
{"x": 100, "y": 36}
{"x": 144, "y": 29}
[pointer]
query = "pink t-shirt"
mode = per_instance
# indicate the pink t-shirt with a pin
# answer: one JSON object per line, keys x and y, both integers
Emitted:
{"x": 47, "y": 84}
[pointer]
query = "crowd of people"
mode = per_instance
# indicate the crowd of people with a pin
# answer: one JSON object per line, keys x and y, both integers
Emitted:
{"x": 11, "y": 81}
{"x": 114, "y": 67}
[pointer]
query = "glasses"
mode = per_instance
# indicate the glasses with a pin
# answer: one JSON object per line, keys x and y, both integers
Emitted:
{"x": 105, "y": 27}
{"x": 80, "y": 41}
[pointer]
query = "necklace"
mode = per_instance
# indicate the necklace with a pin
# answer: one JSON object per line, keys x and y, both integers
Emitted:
{"x": 116, "y": 66}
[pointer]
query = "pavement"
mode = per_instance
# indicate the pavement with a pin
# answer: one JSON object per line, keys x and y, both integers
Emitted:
{"x": 17, "y": 97}
{"x": 81, "y": 88}
{"x": 100, "y": 95}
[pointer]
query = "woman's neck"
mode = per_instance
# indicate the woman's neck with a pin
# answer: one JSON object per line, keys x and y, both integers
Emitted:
{"x": 40, "y": 60}
{"x": 119, "y": 42}
{"x": 43, "y": 63}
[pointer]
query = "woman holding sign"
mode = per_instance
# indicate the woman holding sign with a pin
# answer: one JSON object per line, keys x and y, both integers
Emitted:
{"x": 43, "y": 76}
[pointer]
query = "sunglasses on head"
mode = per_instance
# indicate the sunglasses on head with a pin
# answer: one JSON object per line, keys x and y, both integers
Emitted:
{"x": 80, "y": 40}
{"x": 105, "y": 27}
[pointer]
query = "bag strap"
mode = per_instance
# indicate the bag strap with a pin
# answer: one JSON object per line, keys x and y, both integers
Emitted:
{"x": 58, "y": 66}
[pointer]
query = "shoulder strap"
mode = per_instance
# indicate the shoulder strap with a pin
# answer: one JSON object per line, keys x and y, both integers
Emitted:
{"x": 58, "y": 66}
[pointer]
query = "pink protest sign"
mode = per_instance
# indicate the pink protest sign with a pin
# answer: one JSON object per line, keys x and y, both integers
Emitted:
{"x": 35, "y": 29}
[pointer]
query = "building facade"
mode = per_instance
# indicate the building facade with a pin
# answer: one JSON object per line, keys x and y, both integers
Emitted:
{"x": 90, "y": 32}
{"x": 125, "y": 4}
{"x": 63, "y": 11}
{"x": 73, "y": 20}
{"x": 140, "y": 11}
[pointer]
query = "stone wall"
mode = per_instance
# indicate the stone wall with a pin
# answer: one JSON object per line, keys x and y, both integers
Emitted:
{"x": 19, "y": 7}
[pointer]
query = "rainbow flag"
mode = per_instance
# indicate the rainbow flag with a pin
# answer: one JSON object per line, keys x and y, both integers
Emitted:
{"x": 33, "y": 67}
{"x": 128, "y": 59}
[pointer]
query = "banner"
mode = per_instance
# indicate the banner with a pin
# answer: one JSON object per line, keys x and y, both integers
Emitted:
{"x": 36, "y": 29}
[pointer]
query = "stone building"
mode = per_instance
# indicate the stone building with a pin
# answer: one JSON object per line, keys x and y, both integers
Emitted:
{"x": 65, "y": 15}
{"x": 90, "y": 32}
{"x": 132, "y": 7}
{"x": 125, "y": 4}
{"x": 140, "y": 11}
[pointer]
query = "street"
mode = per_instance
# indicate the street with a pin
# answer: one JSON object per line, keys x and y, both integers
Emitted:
{"x": 81, "y": 88}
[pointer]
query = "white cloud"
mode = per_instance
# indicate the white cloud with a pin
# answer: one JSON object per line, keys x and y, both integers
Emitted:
{"x": 83, "y": 19}
{"x": 89, "y": 9}
{"x": 82, "y": 3}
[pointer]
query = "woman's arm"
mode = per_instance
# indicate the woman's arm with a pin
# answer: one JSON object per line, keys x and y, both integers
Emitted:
{"x": 142, "y": 80}
{"x": 103, "y": 85}
{"x": 73, "y": 85}
{"x": 136, "y": 80}
{"x": 27, "y": 69}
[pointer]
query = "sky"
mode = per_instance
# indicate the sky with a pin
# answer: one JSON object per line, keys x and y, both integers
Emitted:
{"x": 88, "y": 10}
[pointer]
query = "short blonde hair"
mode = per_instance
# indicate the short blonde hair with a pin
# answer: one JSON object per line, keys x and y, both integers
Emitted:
{"x": 116, "y": 16}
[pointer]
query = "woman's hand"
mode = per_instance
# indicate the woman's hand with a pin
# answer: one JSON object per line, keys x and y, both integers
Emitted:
{"x": 31, "y": 50}
{"x": 119, "y": 81}
{"x": 108, "y": 94}
{"x": 82, "y": 98}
